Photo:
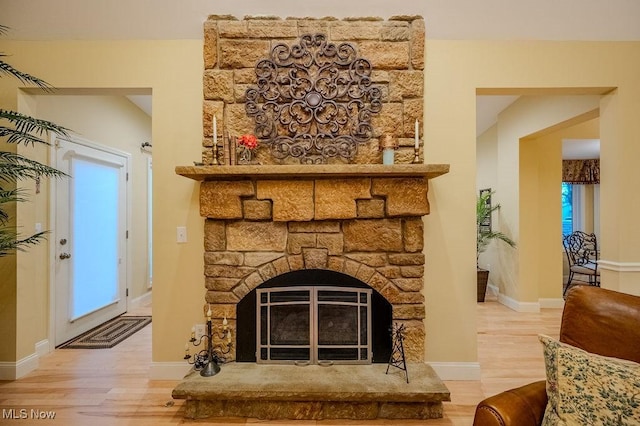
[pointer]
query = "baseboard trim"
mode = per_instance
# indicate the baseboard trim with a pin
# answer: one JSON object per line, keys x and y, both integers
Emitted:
{"x": 455, "y": 370}
{"x": 18, "y": 369}
{"x": 7, "y": 370}
{"x": 42, "y": 347}
{"x": 139, "y": 301}
{"x": 551, "y": 303}
{"x": 492, "y": 290}
{"x": 610, "y": 265}
{"x": 169, "y": 370}
{"x": 24, "y": 366}
{"x": 518, "y": 306}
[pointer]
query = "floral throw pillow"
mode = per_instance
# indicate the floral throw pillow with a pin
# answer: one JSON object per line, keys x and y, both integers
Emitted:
{"x": 589, "y": 389}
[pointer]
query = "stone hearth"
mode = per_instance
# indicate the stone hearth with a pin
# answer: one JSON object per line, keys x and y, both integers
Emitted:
{"x": 314, "y": 392}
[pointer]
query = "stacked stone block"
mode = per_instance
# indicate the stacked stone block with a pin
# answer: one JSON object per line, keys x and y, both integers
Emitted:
{"x": 368, "y": 228}
{"x": 395, "y": 48}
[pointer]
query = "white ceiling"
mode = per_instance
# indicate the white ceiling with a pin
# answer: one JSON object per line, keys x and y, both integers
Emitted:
{"x": 580, "y": 149}
{"x": 445, "y": 19}
{"x": 143, "y": 102}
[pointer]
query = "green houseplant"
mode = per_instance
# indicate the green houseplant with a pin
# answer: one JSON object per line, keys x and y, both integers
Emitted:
{"x": 485, "y": 235}
{"x": 17, "y": 128}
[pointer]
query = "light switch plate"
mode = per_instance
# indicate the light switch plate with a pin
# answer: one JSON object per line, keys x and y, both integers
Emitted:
{"x": 201, "y": 330}
{"x": 181, "y": 236}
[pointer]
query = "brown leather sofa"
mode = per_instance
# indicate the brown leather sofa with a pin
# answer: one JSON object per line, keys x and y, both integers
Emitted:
{"x": 594, "y": 319}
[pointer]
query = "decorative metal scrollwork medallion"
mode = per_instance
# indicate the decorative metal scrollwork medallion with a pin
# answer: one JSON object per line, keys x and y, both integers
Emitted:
{"x": 313, "y": 100}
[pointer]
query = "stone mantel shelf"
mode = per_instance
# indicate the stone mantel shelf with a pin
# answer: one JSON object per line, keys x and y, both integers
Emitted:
{"x": 326, "y": 171}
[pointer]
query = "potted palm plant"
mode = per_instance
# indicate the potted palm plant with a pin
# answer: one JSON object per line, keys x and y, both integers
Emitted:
{"x": 17, "y": 128}
{"x": 485, "y": 234}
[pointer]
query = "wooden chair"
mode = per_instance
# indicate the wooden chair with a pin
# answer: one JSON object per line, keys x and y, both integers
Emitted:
{"x": 582, "y": 254}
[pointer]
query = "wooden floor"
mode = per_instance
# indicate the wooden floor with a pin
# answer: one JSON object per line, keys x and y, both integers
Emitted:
{"x": 111, "y": 387}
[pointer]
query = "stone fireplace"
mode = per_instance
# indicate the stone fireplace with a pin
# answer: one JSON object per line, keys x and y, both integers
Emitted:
{"x": 360, "y": 221}
{"x": 314, "y": 252}
{"x": 328, "y": 227}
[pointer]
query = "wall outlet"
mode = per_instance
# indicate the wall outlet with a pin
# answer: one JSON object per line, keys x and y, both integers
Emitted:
{"x": 181, "y": 234}
{"x": 201, "y": 330}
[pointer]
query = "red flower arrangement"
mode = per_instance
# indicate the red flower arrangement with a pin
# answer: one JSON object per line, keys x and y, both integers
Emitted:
{"x": 249, "y": 141}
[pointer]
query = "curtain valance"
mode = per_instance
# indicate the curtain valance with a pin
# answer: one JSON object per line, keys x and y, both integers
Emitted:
{"x": 581, "y": 171}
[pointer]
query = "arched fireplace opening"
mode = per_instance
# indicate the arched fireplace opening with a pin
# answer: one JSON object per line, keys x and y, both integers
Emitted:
{"x": 314, "y": 316}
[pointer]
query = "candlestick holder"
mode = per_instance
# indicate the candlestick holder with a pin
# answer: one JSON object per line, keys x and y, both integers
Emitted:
{"x": 214, "y": 153}
{"x": 208, "y": 360}
{"x": 416, "y": 155}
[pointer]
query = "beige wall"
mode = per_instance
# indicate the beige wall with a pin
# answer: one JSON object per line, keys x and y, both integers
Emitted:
{"x": 8, "y": 276}
{"x": 454, "y": 72}
{"x": 527, "y": 116}
{"x": 173, "y": 72}
{"x": 540, "y": 202}
{"x": 539, "y": 181}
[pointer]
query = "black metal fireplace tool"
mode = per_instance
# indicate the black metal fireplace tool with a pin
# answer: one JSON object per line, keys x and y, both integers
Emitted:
{"x": 397, "y": 358}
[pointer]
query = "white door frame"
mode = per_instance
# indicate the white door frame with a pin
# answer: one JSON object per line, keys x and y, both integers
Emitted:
{"x": 53, "y": 237}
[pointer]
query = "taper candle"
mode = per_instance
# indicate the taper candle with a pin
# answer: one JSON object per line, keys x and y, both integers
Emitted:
{"x": 215, "y": 130}
{"x": 417, "y": 135}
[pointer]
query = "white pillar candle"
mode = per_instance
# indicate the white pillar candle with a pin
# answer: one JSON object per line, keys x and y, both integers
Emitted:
{"x": 417, "y": 131}
{"x": 215, "y": 130}
{"x": 388, "y": 156}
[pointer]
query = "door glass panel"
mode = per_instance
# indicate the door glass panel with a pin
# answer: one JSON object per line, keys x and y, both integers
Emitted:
{"x": 364, "y": 328}
{"x": 290, "y": 354}
{"x": 337, "y": 325}
{"x": 290, "y": 296}
{"x": 337, "y": 354}
{"x": 94, "y": 188}
{"x": 337, "y": 296}
{"x": 290, "y": 325}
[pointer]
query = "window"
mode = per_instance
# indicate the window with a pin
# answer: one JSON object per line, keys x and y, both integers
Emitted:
{"x": 567, "y": 208}
{"x": 580, "y": 208}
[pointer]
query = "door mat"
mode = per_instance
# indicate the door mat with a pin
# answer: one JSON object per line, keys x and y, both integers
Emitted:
{"x": 108, "y": 334}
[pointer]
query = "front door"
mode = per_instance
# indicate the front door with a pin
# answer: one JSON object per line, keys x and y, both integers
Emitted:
{"x": 90, "y": 237}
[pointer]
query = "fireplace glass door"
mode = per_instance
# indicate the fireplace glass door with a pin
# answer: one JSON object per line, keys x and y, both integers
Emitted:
{"x": 314, "y": 325}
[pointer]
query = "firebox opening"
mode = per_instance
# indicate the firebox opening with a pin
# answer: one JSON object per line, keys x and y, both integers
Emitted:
{"x": 335, "y": 292}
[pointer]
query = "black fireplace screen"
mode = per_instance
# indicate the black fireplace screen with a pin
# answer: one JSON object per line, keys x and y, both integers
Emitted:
{"x": 352, "y": 320}
{"x": 314, "y": 324}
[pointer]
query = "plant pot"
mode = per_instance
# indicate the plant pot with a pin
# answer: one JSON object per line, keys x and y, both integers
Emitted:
{"x": 482, "y": 280}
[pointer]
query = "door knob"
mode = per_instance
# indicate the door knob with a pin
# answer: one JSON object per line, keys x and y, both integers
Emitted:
{"x": 64, "y": 256}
